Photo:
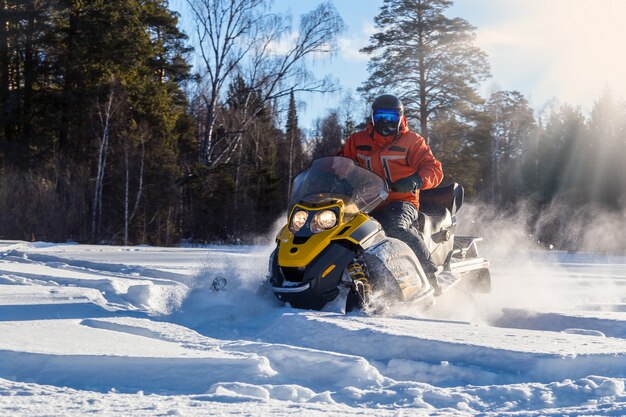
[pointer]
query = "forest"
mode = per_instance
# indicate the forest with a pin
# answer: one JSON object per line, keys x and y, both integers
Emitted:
{"x": 117, "y": 127}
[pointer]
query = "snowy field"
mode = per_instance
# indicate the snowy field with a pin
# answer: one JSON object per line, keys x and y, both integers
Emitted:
{"x": 141, "y": 331}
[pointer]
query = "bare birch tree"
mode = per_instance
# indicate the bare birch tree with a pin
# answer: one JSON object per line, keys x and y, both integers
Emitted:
{"x": 105, "y": 114}
{"x": 130, "y": 215}
{"x": 240, "y": 38}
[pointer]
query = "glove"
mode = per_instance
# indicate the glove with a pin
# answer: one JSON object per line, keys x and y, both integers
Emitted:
{"x": 407, "y": 184}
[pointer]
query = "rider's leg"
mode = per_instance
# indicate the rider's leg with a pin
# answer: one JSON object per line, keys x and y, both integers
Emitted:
{"x": 398, "y": 220}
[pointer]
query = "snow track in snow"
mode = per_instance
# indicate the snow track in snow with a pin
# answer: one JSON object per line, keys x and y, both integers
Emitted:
{"x": 101, "y": 359}
{"x": 121, "y": 285}
{"x": 610, "y": 324}
{"x": 439, "y": 351}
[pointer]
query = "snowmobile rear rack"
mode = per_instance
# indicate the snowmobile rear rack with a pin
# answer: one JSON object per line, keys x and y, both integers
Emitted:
{"x": 465, "y": 247}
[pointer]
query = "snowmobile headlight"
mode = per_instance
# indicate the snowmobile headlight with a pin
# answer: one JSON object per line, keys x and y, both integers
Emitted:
{"x": 298, "y": 219}
{"x": 324, "y": 220}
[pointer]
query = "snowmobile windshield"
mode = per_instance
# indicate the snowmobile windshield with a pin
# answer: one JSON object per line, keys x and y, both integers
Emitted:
{"x": 339, "y": 178}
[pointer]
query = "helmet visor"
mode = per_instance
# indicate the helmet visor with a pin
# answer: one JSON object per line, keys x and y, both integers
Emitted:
{"x": 386, "y": 116}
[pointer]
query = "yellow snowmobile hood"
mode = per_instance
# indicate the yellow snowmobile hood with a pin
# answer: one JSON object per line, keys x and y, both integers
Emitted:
{"x": 296, "y": 251}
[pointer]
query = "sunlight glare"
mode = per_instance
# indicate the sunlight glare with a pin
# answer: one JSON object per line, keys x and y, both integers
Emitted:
{"x": 570, "y": 49}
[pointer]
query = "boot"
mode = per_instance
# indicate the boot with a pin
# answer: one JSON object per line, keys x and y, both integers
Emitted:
{"x": 431, "y": 270}
{"x": 432, "y": 279}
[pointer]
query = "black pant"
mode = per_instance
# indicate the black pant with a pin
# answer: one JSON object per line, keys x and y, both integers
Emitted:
{"x": 399, "y": 220}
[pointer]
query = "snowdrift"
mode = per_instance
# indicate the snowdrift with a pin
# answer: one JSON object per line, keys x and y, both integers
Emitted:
{"x": 145, "y": 331}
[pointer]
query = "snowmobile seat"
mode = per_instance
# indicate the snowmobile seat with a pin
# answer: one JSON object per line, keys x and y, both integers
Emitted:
{"x": 449, "y": 196}
{"x": 435, "y": 223}
{"x": 437, "y": 209}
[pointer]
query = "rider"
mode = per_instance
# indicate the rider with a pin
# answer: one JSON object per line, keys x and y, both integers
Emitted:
{"x": 388, "y": 148}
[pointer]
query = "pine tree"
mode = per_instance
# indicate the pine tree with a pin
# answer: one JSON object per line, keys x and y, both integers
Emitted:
{"x": 292, "y": 149}
{"x": 513, "y": 124}
{"x": 463, "y": 149}
{"x": 330, "y": 136}
{"x": 425, "y": 58}
{"x": 551, "y": 159}
{"x": 78, "y": 55}
{"x": 24, "y": 68}
{"x": 604, "y": 179}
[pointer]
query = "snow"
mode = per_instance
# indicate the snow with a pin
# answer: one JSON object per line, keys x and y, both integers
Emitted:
{"x": 144, "y": 331}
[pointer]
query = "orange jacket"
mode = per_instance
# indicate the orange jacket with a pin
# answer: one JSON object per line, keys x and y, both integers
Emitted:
{"x": 395, "y": 159}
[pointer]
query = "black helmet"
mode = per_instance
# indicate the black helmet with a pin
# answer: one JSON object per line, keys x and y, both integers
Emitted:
{"x": 387, "y": 111}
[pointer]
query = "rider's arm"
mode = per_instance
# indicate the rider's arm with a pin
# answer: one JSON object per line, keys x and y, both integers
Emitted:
{"x": 426, "y": 165}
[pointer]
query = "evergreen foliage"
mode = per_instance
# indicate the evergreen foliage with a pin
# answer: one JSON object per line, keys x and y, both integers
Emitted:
{"x": 291, "y": 156}
{"x": 512, "y": 128}
{"x": 99, "y": 96}
{"x": 464, "y": 149}
{"x": 330, "y": 136}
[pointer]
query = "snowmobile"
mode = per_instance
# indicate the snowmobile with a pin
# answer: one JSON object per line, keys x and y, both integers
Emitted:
{"x": 330, "y": 246}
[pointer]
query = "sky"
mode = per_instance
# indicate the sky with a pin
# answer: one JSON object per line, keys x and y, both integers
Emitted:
{"x": 565, "y": 49}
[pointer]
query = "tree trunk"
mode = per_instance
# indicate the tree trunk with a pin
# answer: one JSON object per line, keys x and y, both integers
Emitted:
{"x": 422, "y": 74}
{"x": 4, "y": 65}
{"x": 140, "y": 186}
{"x": 126, "y": 195}
{"x": 96, "y": 215}
{"x": 495, "y": 164}
{"x": 210, "y": 126}
{"x": 6, "y": 47}
{"x": 129, "y": 216}
{"x": 29, "y": 70}
{"x": 290, "y": 164}
{"x": 236, "y": 194}
{"x": 68, "y": 83}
